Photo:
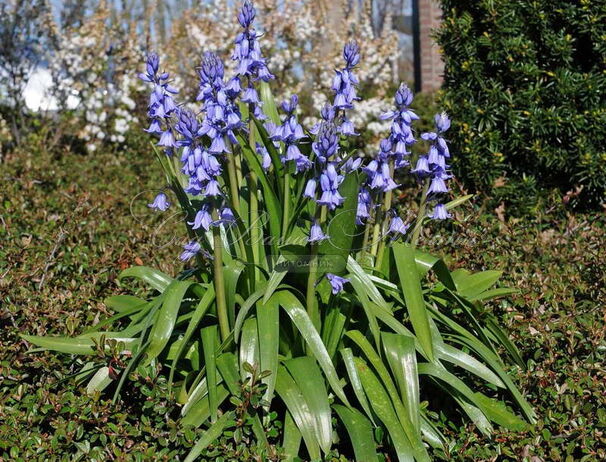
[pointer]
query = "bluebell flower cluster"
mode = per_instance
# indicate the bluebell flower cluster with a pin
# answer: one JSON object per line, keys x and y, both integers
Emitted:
{"x": 222, "y": 116}
{"x": 378, "y": 169}
{"x": 434, "y": 166}
{"x": 344, "y": 87}
{"x": 392, "y": 155}
{"x": 289, "y": 133}
{"x": 334, "y": 123}
{"x": 345, "y": 82}
{"x": 401, "y": 135}
{"x": 205, "y": 139}
{"x": 326, "y": 149}
{"x": 329, "y": 178}
{"x": 161, "y": 106}
{"x": 202, "y": 164}
{"x": 251, "y": 63}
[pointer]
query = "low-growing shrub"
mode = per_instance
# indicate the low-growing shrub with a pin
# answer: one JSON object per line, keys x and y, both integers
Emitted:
{"x": 525, "y": 85}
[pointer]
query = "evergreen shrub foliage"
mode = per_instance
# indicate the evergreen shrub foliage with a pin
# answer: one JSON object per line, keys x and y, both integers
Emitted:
{"x": 525, "y": 84}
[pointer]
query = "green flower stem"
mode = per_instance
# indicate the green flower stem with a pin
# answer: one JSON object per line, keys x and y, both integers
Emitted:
{"x": 219, "y": 281}
{"x": 238, "y": 166}
{"x": 234, "y": 192}
{"x": 421, "y": 216}
{"x": 366, "y": 237}
{"x": 234, "y": 187}
{"x": 376, "y": 232}
{"x": 386, "y": 207}
{"x": 286, "y": 199}
{"x": 254, "y": 204}
{"x": 312, "y": 303}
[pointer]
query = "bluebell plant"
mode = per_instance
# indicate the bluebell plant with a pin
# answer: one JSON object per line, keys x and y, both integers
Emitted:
{"x": 301, "y": 264}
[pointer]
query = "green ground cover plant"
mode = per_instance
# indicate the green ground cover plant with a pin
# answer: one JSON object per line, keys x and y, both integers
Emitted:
{"x": 555, "y": 319}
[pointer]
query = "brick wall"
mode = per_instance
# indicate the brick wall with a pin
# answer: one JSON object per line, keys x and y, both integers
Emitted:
{"x": 432, "y": 67}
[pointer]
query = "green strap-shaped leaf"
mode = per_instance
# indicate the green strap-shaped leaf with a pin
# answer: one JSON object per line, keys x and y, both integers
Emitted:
{"x": 354, "y": 380}
{"x": 360, "y": 433}
{"x": 425, "y": 262}
{"x": 71, "y": 345}
{"x": 274, "y": 209}
{"x": 402, "y": 359}
{"x": 471, "y": 285}
{"x": 292, "y": 438}
{"x": 245, "y": 308}
{"x": 120, "y": 303}
{"x": 167, "y": 316}
{"x": 201, "y": 309}
{"x": 412, "y": 433}
{"x": 464, "y": 337}
{"x": 360, "y": 290}
{"x": 498, "y": 413}
{"x": 473, "y": 412}
{"x": 99, "y": 381}
{"x": 199, "y": 412}
{"x": 210, "y": 435}
{"x": 431, "y": 434}
{"x": 135, "y": 312}
{"x": 209, "y": 343}
{"x": 487, "y": 355}
{"x": 301, "y": 320}
{"x": 275, "y": 278}
{"x": 269, "y": 103}
{"x": 231, "y": 273}
{"x": 460, "y": 358}
{"x": 413, "y": 295}
{"x": 197, "y": 390}
{"x": 373, "y": 293}
{"x": 227, "y": 364}
{"x": 458, "y": 201}
{"x": 342, "y": 227}
{"x": 494, "y": 293}
{"x": 268, "y": 325}
{"x": 308, "y": 378}
{"x": 299, "y": 409}
{"x": 155, "y": 278}
{"x": 381, "y": 404}
{"x": 495, "y": 411}
{"x": 333, "y": 329}
{"x": 249, "y": 346}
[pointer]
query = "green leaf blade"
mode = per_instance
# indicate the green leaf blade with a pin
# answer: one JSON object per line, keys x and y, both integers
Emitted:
{"x": 404, "y": 257}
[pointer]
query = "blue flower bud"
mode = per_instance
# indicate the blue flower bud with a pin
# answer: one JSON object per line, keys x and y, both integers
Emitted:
{"x": 351, "y": 54}
{"x": 246, "y": 15}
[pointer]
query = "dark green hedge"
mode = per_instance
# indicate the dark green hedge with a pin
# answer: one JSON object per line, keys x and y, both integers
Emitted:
{"x": 525, "y": 85}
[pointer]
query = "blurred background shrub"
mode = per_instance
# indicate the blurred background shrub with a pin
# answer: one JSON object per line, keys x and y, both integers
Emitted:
{"x": 525, "y": 85}
{"x": 72, "y": 65}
